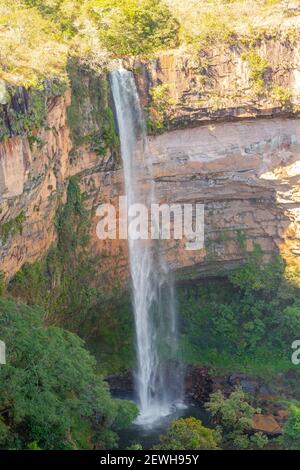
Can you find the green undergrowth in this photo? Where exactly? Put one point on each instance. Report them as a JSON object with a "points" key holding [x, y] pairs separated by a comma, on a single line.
{"points": [[244, 323], [258, 67], [112, 339], [159, 110], [60, 282]]}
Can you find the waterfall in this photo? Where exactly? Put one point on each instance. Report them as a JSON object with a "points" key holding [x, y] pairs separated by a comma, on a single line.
{"points": [[157, 378]]}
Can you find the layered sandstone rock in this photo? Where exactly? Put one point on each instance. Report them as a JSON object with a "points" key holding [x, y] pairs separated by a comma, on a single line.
{"points": [[247, 79], [247, 176], [246, 173]]}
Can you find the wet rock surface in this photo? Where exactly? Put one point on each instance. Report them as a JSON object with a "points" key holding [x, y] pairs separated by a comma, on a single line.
{"points": [[121, 383]]}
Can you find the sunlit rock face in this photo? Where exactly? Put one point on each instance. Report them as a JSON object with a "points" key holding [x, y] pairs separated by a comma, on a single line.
{"points": [[220, 83], [31, 182], [247, 176], [246, 172]]}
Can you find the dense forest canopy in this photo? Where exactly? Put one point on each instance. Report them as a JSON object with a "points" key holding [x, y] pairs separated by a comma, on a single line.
{"points": [[38, 37], [51, 395]]}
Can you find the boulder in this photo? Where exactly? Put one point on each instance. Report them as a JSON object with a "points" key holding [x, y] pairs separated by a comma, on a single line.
{"points": [[267, 424]]}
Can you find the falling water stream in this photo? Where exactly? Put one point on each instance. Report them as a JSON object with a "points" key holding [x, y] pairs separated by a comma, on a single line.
{"points": [[157, 378]]}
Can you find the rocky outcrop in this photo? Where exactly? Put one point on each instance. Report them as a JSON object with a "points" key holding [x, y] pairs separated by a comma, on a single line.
{"points": [[255, 77], [121, 384]]}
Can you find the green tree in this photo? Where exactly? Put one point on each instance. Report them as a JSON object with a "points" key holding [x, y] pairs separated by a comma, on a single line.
{"points": [[233, 416], [188, 434], [50, 393], [134, 26], [291, 432]]}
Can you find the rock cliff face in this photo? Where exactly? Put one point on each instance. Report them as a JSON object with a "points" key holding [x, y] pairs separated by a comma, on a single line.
{"points": [[249, 79], [247, 172]]}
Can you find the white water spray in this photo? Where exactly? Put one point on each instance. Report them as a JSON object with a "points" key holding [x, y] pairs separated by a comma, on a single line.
{"points": [[158, 379]]}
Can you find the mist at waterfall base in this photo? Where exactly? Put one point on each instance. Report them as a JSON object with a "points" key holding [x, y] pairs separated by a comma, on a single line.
{"points": [[158, 375], [148, 436]]}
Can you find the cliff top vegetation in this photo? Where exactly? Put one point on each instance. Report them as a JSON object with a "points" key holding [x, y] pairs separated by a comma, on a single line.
{"points": [[218, 19], [38, 37]]}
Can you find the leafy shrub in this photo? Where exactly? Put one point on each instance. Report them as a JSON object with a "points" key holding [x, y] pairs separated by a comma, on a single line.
{"points": [[234, 417], [281, 95], [11, 227], [126, 412], [135, 446], [29, 54], [61, 282], [24, 112], [188, 434], [212, 28], [39, 36], [291, 432]]}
